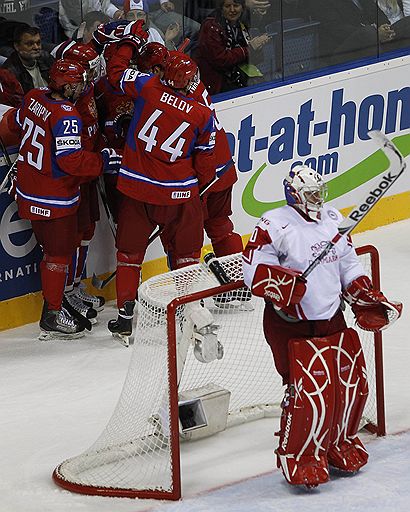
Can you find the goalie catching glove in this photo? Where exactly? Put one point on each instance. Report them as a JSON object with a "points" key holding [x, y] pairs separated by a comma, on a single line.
{"points": [[280, 285], [373, 312]]}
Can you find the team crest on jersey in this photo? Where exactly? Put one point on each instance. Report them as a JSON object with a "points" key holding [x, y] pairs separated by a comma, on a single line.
{"points": [[318, 248], [92, 108], [332, 215], [67, 108], [125, 108]]}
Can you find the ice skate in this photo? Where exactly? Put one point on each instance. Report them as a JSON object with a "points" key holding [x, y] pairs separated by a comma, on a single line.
{"points": [[77, 304], [121, 328], [91, 301], [59, 324]]}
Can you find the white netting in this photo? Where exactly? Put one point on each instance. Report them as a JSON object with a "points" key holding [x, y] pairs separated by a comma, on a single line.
{"points": [[133, 452]]}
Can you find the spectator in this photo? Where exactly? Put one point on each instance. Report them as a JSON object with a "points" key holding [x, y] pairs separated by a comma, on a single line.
{"points": [[167, 20], [154, 35], [353, 29], [28, 62], [16, 10], [91, 19], [72, 12], [225, 46]]}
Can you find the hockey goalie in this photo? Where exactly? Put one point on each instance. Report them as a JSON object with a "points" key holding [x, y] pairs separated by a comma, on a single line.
{"points": [[320, 360]]}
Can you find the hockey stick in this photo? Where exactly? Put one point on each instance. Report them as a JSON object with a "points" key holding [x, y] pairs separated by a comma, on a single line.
{"points": [[101, 283], [396, 169], [103, 196], [83, 322], [183, 45]]}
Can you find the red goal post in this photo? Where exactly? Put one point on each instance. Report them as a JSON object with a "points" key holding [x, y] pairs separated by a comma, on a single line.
{"points": [[138, 453]]}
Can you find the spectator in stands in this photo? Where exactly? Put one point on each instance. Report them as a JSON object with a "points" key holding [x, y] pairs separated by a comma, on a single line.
{"points": [[28, 62], [154, 35], [352, 29], [91, 19], [225, 46], [72, 12], [16, 10], [167, 19]]}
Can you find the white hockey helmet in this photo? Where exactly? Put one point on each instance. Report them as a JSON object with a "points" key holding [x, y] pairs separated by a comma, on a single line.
{"points": [[306, 190]]}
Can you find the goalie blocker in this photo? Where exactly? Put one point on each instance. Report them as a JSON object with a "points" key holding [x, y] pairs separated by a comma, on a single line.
{"points": [[322, 408]]}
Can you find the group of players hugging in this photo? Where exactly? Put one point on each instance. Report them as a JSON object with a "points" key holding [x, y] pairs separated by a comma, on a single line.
{"points": [[149, 129]]}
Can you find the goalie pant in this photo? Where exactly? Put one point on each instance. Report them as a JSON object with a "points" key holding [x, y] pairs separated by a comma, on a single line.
{"points": [[323, 366]]}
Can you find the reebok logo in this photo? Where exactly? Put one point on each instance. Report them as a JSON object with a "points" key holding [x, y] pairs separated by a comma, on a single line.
{"points": [[40, 211], [373, 197]]}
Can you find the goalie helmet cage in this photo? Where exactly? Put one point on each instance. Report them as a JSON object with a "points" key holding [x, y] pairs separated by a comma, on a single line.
{"points": [[137, 455]]}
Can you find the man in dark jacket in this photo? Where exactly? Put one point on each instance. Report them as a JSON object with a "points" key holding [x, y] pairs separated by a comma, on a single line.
{"points": [[28, 62]]}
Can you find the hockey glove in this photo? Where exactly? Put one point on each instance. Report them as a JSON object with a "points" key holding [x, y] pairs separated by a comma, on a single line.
{"points": [[135, 35], [111, 161], [282, 286], [111, 32], [373, 312], [120, 124]]}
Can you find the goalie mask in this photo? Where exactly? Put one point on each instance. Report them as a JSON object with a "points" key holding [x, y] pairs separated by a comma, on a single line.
{"points": [[305, 190]]}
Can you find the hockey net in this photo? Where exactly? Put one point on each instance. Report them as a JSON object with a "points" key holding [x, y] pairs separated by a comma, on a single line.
{"points": [[137, 454]]}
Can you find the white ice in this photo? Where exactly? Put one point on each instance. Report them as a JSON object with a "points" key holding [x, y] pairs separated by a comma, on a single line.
{"points": [[55, 399]]}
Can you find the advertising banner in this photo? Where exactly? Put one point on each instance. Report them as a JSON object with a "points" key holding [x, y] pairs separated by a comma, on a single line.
{"points": [[322, 123]]}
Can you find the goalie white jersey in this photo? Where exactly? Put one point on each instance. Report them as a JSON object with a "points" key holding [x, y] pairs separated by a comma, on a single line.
{"points": [[284, 237]]}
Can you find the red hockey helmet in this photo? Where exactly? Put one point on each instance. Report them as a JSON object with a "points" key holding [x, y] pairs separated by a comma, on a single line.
{"points": [[64, 72], [152, 54], [179, 70], [81, 53]]}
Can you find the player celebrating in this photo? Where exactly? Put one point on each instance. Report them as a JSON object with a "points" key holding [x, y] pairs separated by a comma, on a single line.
{"points": [[217, 201], [88, 211], [318, 357], [51, 166], [168, 155]]}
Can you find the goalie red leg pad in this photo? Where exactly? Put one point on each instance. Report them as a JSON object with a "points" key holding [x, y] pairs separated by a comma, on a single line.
{"points": [[307, 415], [346, 451]]}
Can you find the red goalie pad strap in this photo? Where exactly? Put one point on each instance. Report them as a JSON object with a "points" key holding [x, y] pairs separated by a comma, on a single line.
{"points": [[307, 416], [283, 286]]}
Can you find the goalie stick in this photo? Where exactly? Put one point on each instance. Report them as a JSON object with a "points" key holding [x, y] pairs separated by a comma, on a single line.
{"points": [[395, 170], [102, 283]]}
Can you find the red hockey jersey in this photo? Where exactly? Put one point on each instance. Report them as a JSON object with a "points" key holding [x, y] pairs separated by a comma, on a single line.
{"points": [[222, 150], [112, 106], [169, 146], [91, 136], [52, 164]]}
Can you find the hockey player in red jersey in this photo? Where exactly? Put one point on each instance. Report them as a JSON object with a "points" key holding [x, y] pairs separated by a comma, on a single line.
{"points": [[320, 360], [217, 202], [115, 111], [51, 166], [168, 155], [88, 212]]}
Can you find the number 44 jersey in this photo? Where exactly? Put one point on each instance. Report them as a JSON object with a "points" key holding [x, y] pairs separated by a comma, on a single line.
{"points": [[168, 153]]}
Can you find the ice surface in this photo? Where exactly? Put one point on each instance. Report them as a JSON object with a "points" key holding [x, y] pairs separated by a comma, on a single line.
{"points": [[55, 399]]}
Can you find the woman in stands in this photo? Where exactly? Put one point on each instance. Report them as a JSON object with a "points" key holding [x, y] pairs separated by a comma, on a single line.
{"points": [[224, 45]]}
